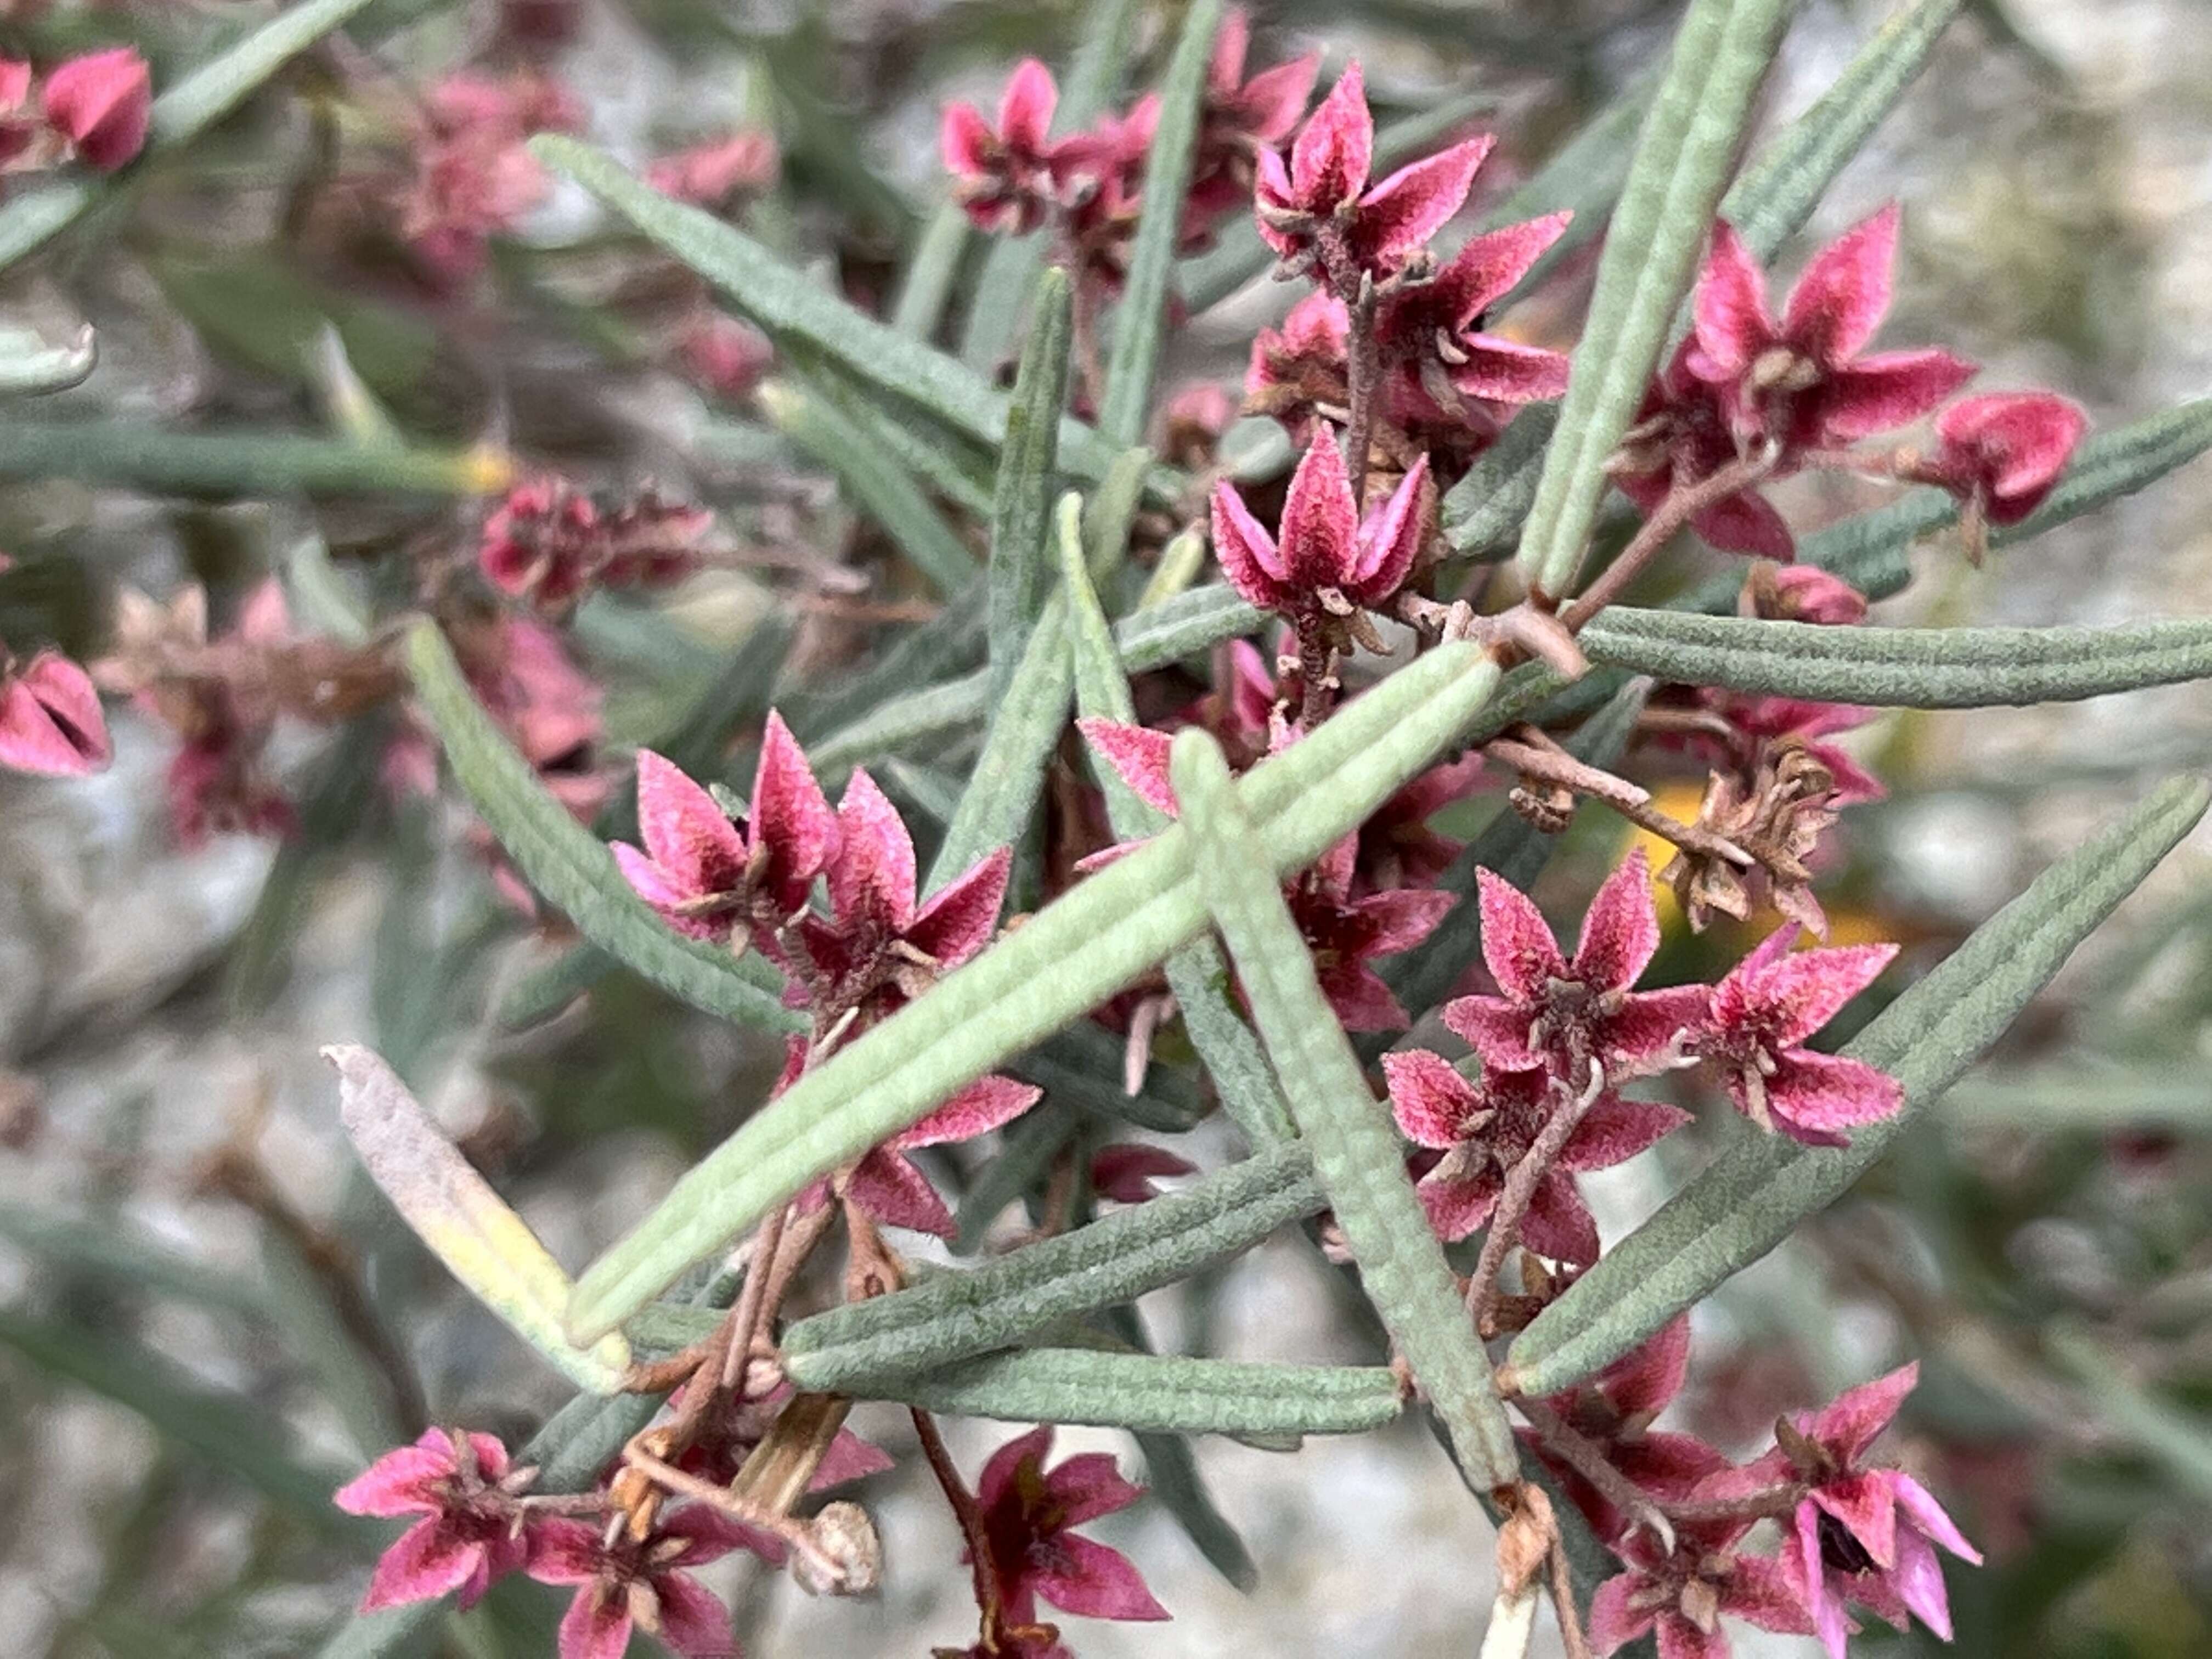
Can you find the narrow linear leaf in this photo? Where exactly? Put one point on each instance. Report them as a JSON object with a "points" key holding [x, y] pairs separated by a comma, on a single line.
{"points": [[1583, 177], [467, 1225], [2082, 1099], [1356, 1151], [1020, 566], [1900, 667], [564, 861], [927, 283], [1187, 625], [1484, 511], [1082, 1066], [879, 486], [1026, 722], [1111, 512], [953, 1316], [1750, 1198], [128, 1258], [238, 464], [226, 1430], [1064, 961], [1148, 1393], [1173, 1481], [1028, 1149], [2161, 1430], [1688, 143], [1775, 194], [1196, 975], [774, 297], [179, 115], [1140, 319]]}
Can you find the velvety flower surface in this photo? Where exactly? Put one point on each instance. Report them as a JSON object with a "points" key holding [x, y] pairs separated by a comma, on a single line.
{"points": [[1682, 1596], [102, 103], [887, 1186], [470, 1534], [1802, 593], [1805, 381], [1004, 171], [1347, 932], [2003, 452], [1559, 1014], [631, 1585], [1125, 1171], [1325, 560], [1864, 1535], [1432, 330], [51, 722], [1763, 1012], [1030, 1515], [1682, 436], [1484, 1130], [699, 870], [1322, 196]]}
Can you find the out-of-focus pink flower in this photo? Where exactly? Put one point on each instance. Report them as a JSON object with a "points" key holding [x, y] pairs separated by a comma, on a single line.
{"points": [[538, 541], [629, 1584], [1322, 200], [473, 177], [724, 356], [1326, 561], [1801, 594], [101, 103], [21, 126], [1030, 1515], [2002, 452], [1761, 1014], [532, 687], [51, 722], [707, 175], [1809, 725], [1007, 175], [472, 1533], [705, 876], [1683, 1594], [1125, 1170], [1804, 382], [1485, 1131], [1238, 119], [1560, 1015]]}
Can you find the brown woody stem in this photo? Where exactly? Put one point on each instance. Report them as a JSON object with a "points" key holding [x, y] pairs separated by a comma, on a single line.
{"points": [[1682, 503], [1521, 1184], [1588, 1461], [1540, 758], [964, 1510]]}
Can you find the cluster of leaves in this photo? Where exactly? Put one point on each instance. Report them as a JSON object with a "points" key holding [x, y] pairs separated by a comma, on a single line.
{"points": [[1240, 894]]}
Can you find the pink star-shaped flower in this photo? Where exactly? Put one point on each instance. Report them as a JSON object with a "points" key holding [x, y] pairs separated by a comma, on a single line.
{"points": [[1485, 1131], [1346, 934], [1681, 437], [1763, 1012], [1431, 331], [2002, 452], [1006, 174], [103, 104], [1804, 382], [700, 871], [1030, 1515], [1863, 1535], [887, 1186], [51, 722], [1323, 193], [629, 1584], [1682, 1596], [472, 1533], [1326, 561], [1239, 119], [1559, 1014]]}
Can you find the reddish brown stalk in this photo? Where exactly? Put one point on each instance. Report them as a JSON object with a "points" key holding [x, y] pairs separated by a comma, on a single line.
{"points": [[1589, 1461], [1519, 1192], [1682, 504], [1563, 1605], [988, 1601], [1540, 758], [1364, 368], [797, 1534]]}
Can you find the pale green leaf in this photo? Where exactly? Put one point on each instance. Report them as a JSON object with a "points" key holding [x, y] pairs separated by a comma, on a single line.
{"points": [[222, 465], [29, 365], [1021, 566]]}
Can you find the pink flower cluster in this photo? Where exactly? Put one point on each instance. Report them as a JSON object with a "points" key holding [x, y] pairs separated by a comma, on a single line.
{"points": [[549, 543], [473, 178], [1792, 392]]}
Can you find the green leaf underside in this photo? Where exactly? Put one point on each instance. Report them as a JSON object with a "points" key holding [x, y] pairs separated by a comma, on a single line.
{"points": [[1064, 961], [1900, 667], [1356, 1151], [569, 865], [1751, 1197], [1688, 143], [1146, 1393]]}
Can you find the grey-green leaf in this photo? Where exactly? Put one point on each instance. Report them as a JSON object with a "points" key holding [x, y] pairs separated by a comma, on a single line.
{"points": [[1689, 140], [1021, 568], [1751, 1197], [564, 861], [1148, 1393], [951, 1315], [222, 465], [1900, 667], [1355, 1148]]}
